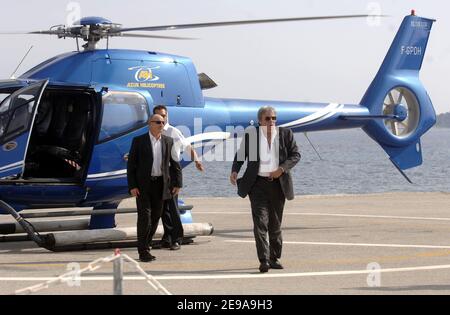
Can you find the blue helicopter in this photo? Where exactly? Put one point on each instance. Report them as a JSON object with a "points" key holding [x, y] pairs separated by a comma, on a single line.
{"points": [[66, 125]]}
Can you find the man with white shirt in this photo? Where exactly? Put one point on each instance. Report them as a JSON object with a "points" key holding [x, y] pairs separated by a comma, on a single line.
{"points": [[153, 176], [271, 152], [173, 228], [180, 142]]}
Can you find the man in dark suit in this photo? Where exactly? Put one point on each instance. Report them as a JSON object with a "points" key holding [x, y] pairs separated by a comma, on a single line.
{"points": [[271, 153], [154, 175], [173, 228]]}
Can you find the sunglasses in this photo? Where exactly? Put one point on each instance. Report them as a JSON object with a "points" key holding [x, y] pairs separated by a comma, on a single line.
{"points": [[270, 118], [158, 122]]}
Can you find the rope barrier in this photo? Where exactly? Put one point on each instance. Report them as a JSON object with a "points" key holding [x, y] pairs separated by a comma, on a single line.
{"points": [[117, 257]]}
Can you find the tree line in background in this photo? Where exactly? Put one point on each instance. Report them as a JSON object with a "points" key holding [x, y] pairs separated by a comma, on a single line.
{"points": [[443, 120]]}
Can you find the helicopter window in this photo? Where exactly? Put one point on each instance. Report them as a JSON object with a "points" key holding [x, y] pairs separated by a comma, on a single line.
{"points": [[122, 112], [4, 107], [16, 112], [3, 96]]}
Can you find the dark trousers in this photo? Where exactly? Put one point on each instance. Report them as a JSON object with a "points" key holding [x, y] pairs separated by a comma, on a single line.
{"points": [[173, 228], [267, 201], [149, 208]]}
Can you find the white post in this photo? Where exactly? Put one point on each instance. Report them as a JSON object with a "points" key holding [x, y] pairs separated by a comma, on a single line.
{"points": [[118, 273]]}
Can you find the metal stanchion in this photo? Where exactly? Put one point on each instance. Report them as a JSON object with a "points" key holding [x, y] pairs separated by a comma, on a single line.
{"points": [[118, 273]]}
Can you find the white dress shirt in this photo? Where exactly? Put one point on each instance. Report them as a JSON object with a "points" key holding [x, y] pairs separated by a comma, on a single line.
{"points": [[268, 156], [179, 141], [157, 156]]}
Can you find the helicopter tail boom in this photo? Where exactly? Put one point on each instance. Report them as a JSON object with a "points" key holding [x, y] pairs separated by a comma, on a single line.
{"points": [[399, 98]]}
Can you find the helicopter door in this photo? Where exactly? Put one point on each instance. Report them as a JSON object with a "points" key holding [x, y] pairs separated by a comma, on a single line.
{"points": [[17, 113]]}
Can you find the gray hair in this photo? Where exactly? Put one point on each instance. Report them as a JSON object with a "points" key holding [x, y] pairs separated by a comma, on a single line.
{"points": [[264, 110]]}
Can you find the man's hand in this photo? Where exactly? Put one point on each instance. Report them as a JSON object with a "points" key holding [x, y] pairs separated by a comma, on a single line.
{"points": [[276, 174], [135, 192], [199, 166], [175, 190], [233, 178], [195, 158]]}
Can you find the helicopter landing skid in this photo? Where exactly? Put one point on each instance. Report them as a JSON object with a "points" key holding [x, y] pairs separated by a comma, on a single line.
{"points": [[45, 241], [97, 238]]}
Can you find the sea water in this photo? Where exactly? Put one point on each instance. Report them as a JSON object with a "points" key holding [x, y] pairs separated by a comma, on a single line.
{"points": [[352, 163]]}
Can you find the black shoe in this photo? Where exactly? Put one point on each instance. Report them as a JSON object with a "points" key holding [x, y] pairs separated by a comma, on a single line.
{"points": [[146, 257], [264, 267], [275, 264], [175, 246], [165, 244]]}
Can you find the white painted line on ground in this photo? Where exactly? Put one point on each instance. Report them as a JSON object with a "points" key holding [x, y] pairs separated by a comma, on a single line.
{"points": [[224, 212], [334, 215], [370, 216], [353, 244], [242, 276]]}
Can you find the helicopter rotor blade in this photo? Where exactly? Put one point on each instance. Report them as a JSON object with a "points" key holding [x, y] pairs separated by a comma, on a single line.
{"points": [[153, 36], [13, 33], [103, 31], [231, 23], [19, 33], [45, 33], [48, 32], [68, 34]]}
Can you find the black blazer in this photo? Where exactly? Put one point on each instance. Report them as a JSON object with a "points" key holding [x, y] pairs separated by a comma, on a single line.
{"points": [[140, 161], [249, 150]]}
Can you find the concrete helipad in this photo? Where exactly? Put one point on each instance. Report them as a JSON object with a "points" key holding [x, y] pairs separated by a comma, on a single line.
{"points": [[395, 243]]}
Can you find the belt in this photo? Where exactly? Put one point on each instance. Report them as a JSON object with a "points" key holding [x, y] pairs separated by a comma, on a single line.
{"points": [[155, 178], [269, 179]]}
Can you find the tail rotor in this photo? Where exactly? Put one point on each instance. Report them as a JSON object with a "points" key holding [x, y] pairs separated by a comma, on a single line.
{"points": [[402, 104]]}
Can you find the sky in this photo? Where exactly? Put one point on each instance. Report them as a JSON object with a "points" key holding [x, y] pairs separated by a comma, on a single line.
{"points": [[316, 61]]}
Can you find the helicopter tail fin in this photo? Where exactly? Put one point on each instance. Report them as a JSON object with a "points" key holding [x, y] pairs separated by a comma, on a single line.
{"points": [[397, 90]]}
